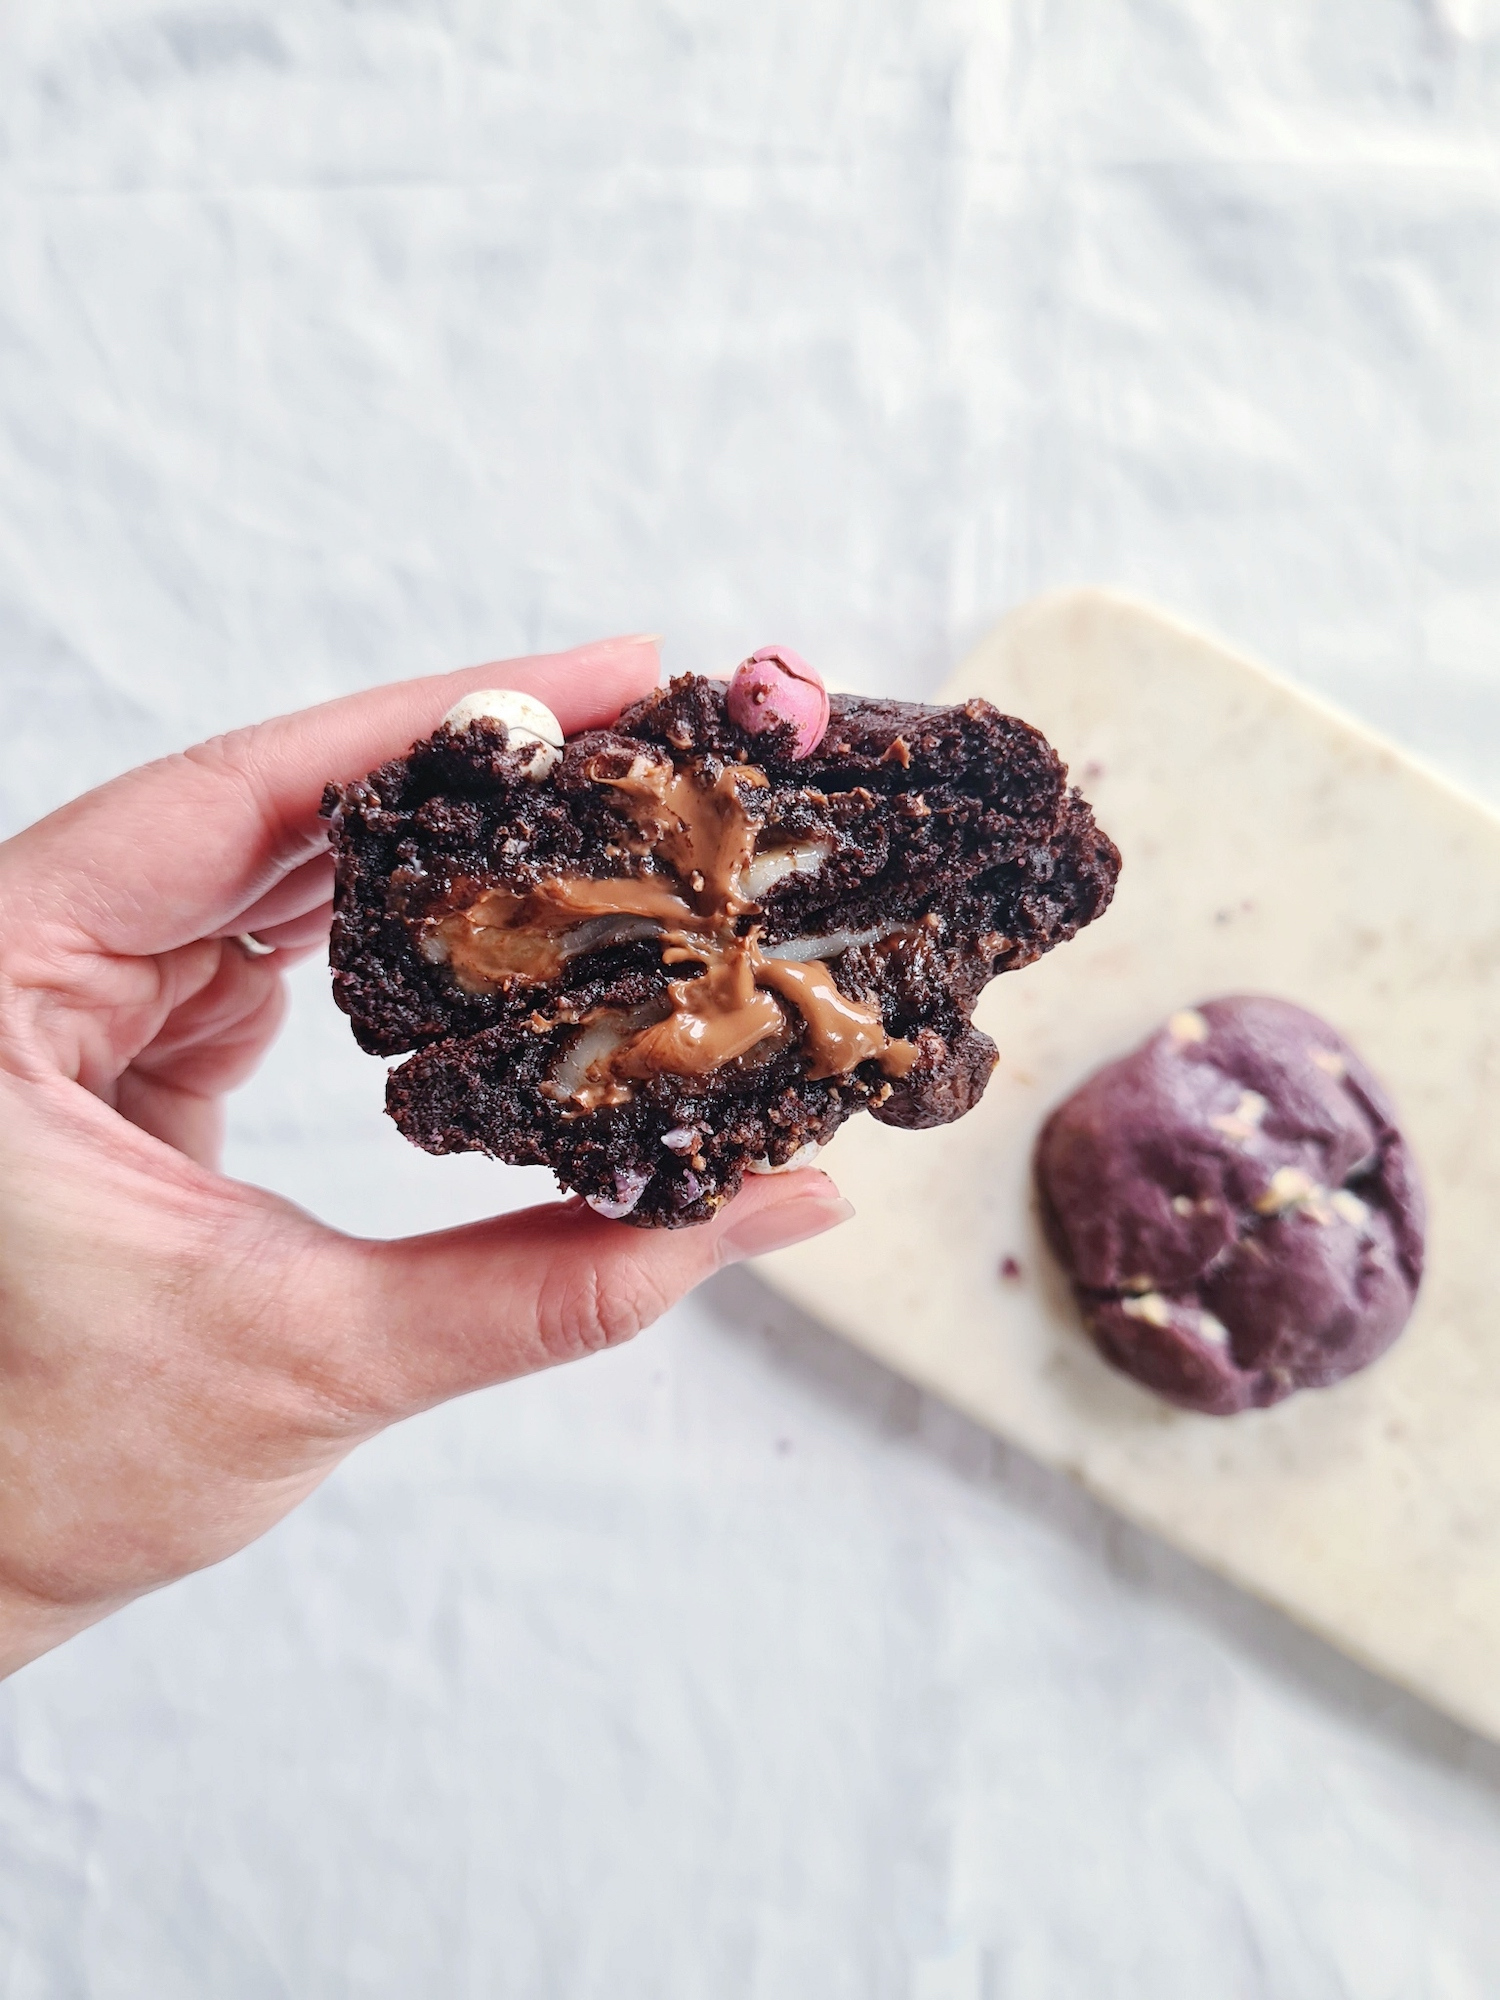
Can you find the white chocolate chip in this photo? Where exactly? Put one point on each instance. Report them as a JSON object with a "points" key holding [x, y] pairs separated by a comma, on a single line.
{"points": [[597, 1041], [1150, 1306], [1355, 1212], [526, 720], [1188, 1026], [775, 864], [831, 944], [1212, 1329], [1289, 1186], [1244, 1121], [1329, 1060]]}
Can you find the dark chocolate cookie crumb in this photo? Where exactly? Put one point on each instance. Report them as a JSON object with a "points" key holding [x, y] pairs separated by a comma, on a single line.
{"points": [[1236, 1208]]}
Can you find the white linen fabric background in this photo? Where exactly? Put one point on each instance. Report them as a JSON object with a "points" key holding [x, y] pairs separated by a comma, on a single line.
{"points": [[345, 341]]}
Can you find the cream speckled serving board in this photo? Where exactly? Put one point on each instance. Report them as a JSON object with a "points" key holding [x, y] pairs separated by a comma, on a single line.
{"points": [[1270, 845]]}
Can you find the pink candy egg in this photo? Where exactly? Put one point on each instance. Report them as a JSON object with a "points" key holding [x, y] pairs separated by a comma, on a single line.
{"points": [[777, 685]]}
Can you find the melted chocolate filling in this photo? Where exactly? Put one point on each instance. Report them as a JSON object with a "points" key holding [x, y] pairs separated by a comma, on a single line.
{"points": [[702, 834]]}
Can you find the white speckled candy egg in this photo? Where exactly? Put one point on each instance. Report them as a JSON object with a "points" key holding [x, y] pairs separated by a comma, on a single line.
{"points": [[526, 719]]}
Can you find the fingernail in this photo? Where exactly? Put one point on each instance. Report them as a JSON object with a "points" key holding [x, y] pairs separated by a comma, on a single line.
{"points": [[787, 1222], [645, 639]]}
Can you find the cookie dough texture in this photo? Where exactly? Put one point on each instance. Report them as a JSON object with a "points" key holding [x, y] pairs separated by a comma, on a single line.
{"points": [[1236, 1208], [879, 884]]}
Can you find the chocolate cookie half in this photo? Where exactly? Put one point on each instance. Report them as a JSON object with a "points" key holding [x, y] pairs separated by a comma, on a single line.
{"points": [[666, 953], [1235, 1206]]}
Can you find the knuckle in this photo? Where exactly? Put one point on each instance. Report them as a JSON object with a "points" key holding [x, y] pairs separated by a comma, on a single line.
{"points": [[587, 1308], [231, 756], [240, 758]]}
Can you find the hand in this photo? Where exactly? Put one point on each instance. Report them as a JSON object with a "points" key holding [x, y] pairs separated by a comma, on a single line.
{"points": [[182, 1358]]}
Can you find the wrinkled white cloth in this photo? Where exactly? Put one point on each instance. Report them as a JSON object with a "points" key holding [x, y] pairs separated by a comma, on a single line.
{"points": [[343, 341]]}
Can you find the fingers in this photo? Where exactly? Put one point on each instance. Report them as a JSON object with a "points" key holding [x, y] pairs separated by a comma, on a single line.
{"points": [[184, 1119], [180, 849], [435, 1316], [295, 915], [209, 1016], [307, 890]]}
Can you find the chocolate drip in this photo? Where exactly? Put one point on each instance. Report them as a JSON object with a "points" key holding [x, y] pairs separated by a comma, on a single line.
{"points": [[841, 1033], [705, 835], [715, 1018], [733, 1007], [702, 832], [501, 936]]}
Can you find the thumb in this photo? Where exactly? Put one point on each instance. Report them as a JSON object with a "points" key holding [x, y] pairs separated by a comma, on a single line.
{"points": [[436, 1316]]}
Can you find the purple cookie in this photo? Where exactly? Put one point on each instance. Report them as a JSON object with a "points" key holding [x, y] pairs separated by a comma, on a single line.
{"points": [[1234, 1204]]}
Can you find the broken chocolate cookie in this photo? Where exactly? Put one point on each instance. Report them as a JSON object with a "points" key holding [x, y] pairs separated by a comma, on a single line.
{"points": [[1236, 1207], [660, 955]]}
